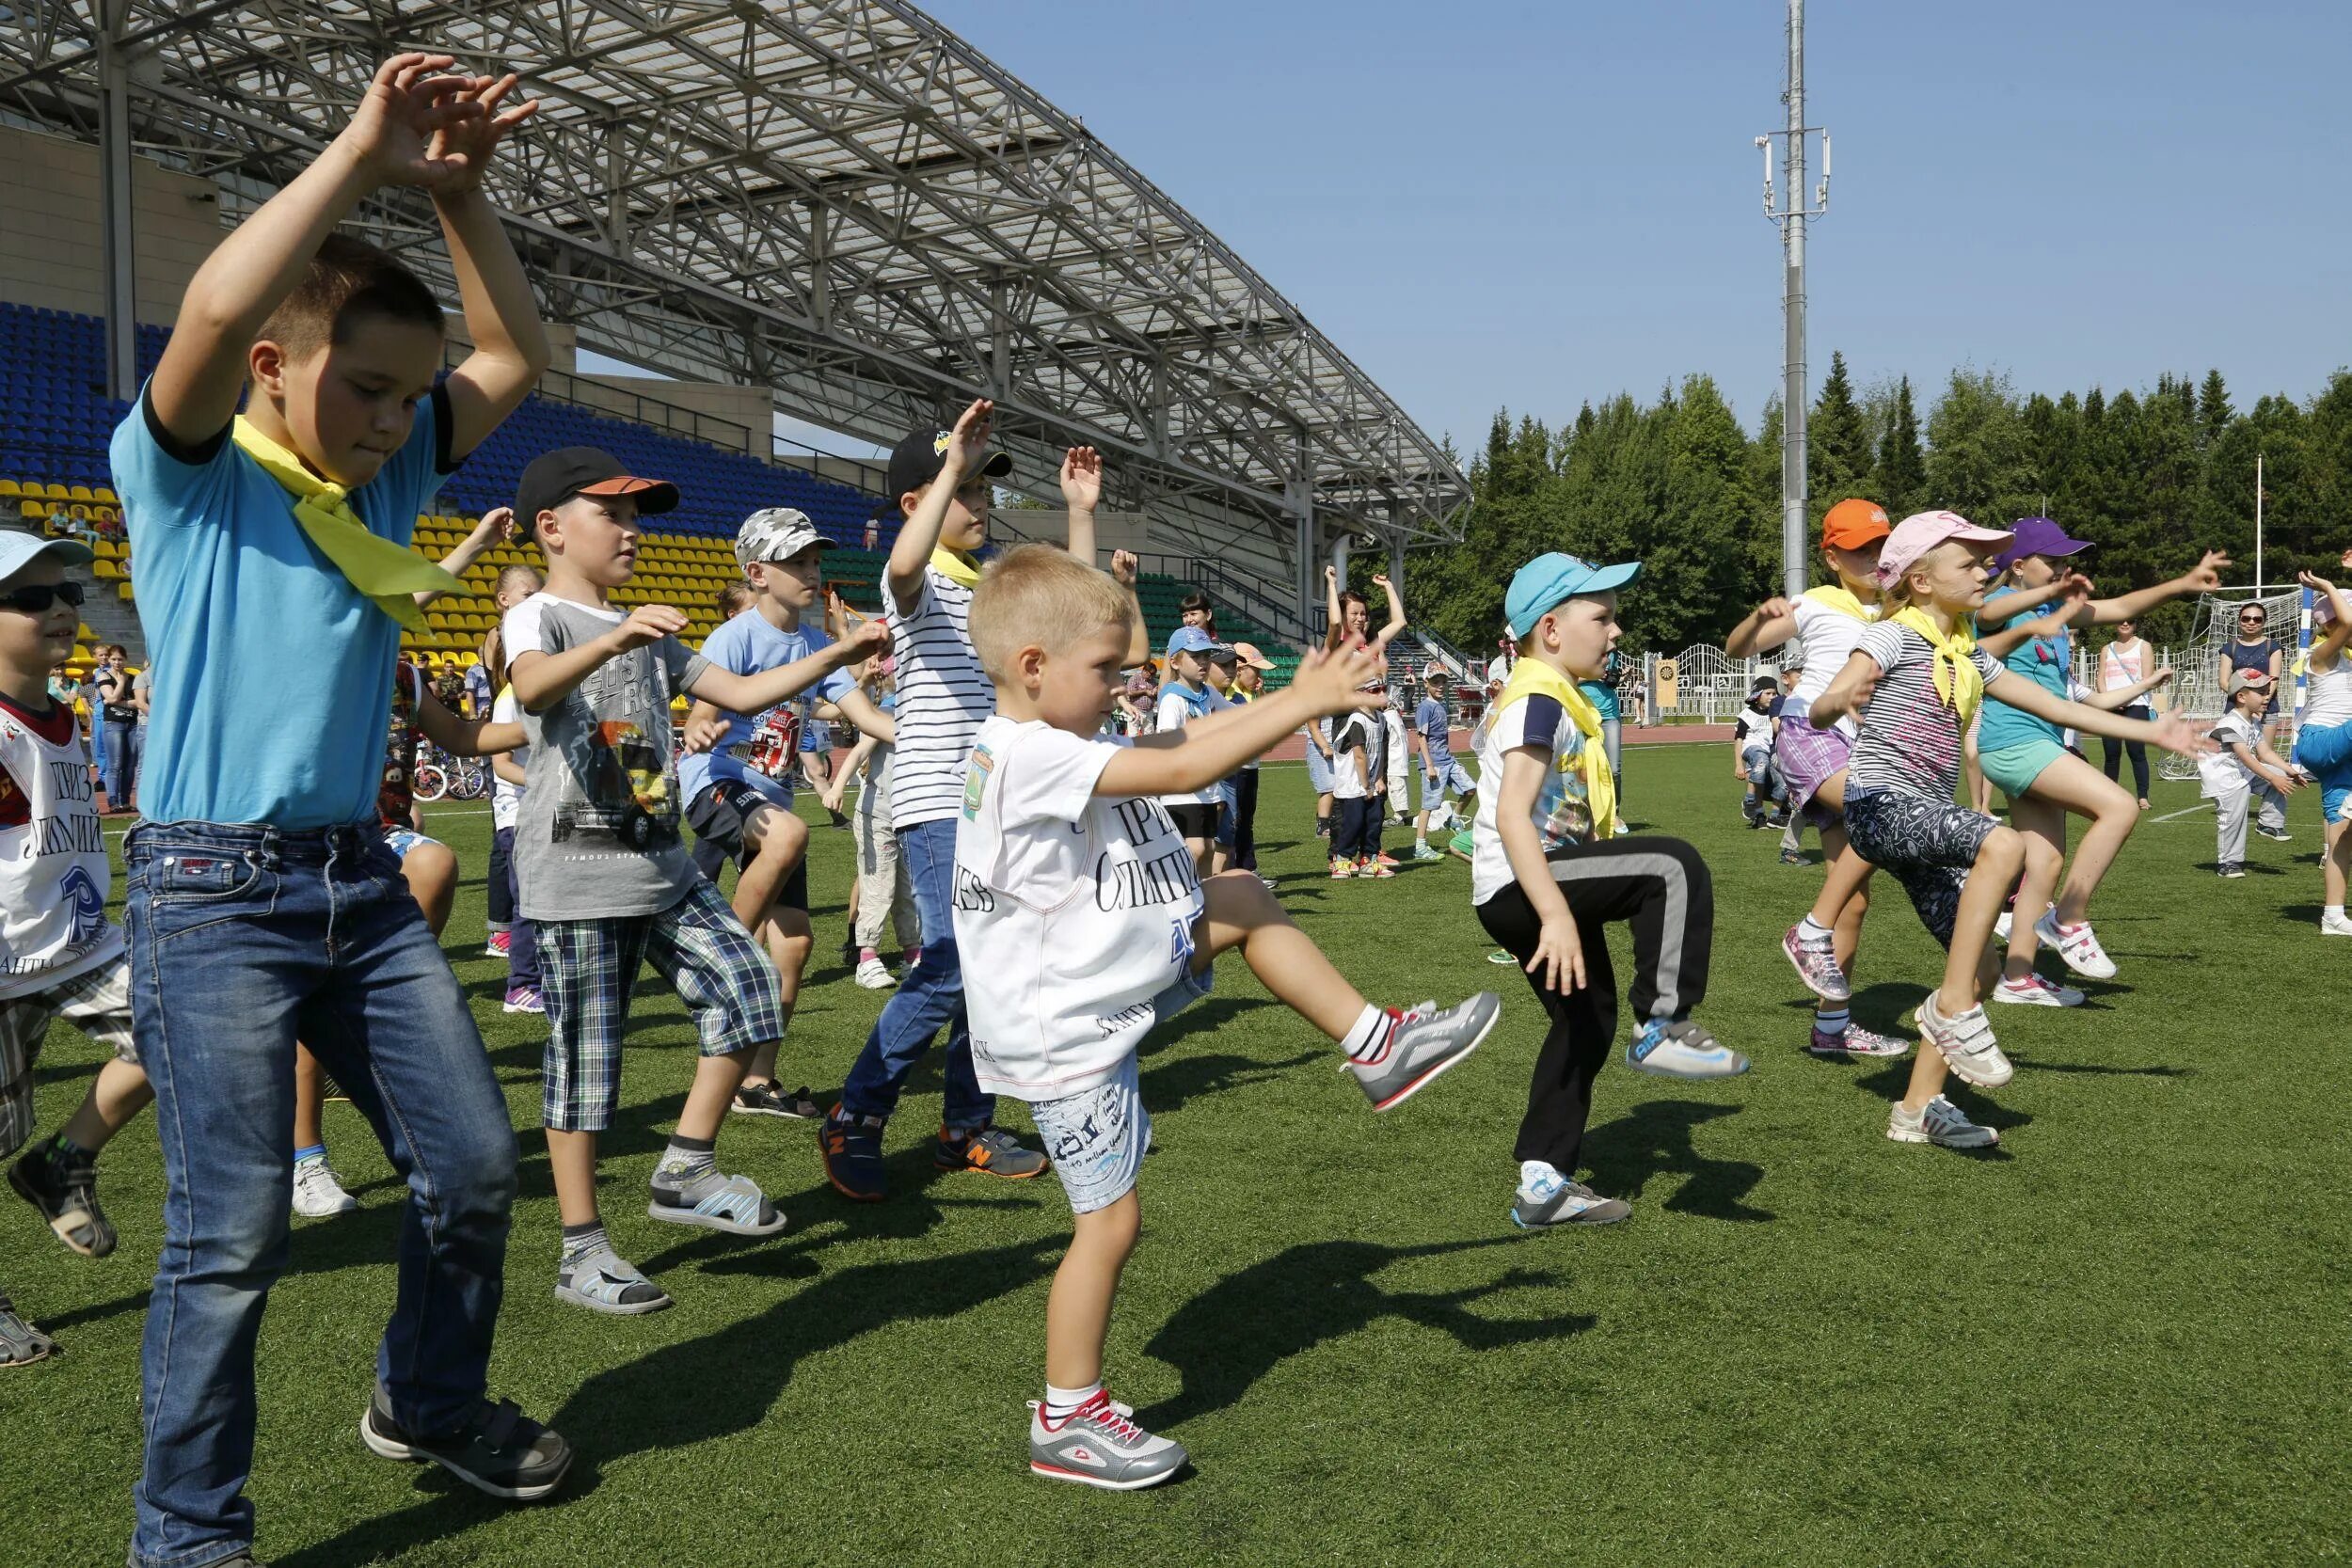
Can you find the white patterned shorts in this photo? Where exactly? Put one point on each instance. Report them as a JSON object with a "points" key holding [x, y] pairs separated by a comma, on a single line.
{"points": [[1097, 1138], [98, 1001]]}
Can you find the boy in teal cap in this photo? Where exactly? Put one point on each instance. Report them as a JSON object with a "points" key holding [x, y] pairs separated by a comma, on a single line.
{"points": [[1546, 867]]}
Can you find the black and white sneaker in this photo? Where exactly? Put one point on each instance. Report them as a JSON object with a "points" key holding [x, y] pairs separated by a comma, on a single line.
{"points": [[496, 1449]]}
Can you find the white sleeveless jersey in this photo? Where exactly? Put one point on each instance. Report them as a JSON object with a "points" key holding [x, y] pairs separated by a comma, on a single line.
{"points": [[52, 858]]}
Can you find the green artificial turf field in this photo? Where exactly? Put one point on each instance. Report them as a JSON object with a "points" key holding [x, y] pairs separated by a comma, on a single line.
{"points": [[2117, 1340]]}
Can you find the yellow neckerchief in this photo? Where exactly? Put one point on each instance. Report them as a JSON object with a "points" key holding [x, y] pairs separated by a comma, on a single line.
{"points": [[955, 568], [1533, 678], [1957, 679], [1840, 597], [387, 573]]}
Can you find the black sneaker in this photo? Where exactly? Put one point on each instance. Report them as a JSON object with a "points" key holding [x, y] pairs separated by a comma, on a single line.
{"points": [[769, 1100], [65, 1190], [496, 1449], [852, 1147]]}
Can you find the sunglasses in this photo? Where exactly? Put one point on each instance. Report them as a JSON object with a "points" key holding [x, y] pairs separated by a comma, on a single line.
{"points": [[34, 598]]}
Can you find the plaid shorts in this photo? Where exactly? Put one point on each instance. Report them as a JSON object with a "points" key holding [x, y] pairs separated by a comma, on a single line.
{"points": [[1927, 845], [97, 1001], [588, 967]]}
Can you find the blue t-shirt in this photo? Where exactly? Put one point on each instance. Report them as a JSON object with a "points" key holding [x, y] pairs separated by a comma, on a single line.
{"points": [[273, 685], [760, 749], [1603, 695], [2046, 661], [1437, 734]]}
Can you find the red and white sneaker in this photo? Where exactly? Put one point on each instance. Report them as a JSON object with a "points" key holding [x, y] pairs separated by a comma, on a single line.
{"points": [[1100, 1445]]}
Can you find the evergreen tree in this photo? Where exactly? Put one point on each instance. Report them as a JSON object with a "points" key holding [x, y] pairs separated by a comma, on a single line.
{"points": [[1838, 459], [1902, 470]]}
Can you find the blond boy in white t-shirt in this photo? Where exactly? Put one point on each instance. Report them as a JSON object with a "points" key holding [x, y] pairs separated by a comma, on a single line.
{"points": [[1076, 897]]}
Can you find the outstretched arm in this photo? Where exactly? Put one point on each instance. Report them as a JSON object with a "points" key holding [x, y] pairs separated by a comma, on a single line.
{"points": [[1849, 692], [2124, 696], [1176, 762], [466, 738], [760, 693], [2000, 644], [2174, 732]]}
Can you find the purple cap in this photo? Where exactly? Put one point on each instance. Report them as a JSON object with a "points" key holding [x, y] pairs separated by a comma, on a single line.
{"points": [[2037, 536]]}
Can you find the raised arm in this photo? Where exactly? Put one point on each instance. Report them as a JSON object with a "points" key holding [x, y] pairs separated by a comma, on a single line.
{"points": [[1335, 623], [1396, 608], [1138, 635], [510, 344], [903, 575], [1763, 628], [497, 525], [1176, 762], [197, 385], [2330, 648], [1081, 493]]}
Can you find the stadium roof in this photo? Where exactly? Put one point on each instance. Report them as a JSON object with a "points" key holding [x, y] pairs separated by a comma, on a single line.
{"points": [[841, 201]]}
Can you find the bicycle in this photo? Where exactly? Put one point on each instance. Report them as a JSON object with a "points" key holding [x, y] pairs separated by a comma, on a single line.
{"points": [[440, 776]]}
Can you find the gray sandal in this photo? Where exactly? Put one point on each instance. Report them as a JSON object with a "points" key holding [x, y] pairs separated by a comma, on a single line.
{"points": [[21, 1343]]}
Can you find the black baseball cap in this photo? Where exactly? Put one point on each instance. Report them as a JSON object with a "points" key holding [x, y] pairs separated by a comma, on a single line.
{"points": [[554, 478], [916, 460]]}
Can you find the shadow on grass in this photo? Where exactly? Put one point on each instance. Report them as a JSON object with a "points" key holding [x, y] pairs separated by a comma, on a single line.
{"points": [[1654, 1138], [1226, 1338], [736, 1374]]}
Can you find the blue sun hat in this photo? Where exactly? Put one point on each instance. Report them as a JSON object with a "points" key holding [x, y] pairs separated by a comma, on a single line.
{"points": [[1549, 580]]}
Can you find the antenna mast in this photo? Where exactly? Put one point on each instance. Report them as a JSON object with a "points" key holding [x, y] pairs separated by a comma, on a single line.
{"points": [[1792, 216]]}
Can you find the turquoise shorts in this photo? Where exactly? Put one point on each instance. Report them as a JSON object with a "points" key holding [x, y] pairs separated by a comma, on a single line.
{"points": [[2013, 769]]}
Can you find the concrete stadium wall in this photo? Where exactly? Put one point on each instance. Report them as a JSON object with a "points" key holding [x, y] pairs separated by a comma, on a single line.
{"points": [[52, 242]]}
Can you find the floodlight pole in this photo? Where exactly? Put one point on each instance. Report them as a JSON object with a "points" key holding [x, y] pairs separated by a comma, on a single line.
{"points": [[1792, 217]]}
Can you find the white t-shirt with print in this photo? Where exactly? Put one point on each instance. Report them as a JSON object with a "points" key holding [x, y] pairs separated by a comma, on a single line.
{"points": [[1563, 814], [1350, 761], [1073, 910], [2222, 772]]}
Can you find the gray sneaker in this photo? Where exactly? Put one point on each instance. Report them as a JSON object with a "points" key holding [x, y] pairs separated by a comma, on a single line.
{"points": [[1569, 1203], [1939, 1122], [603, 1281], [1425, 1044], [1101, 1446], [21, 1343]]}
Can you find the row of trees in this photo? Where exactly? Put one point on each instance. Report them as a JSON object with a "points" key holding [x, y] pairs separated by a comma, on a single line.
{"points": [[2153, 477]]}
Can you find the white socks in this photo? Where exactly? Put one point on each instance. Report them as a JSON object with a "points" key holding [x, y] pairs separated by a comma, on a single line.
{"points": [[1062, 1403], [1539, 1178], [1367, 1042], [1810, 930]]}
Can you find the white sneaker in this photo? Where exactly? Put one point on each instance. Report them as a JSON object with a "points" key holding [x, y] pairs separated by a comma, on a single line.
{"points": [[316, 1193], [1967, 1044], [2035, 991], [2000, 926], [874, 975], [2079, 947], [1940, 1122], [2335, 925]]}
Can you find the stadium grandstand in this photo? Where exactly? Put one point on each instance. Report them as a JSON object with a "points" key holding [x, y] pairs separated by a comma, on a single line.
{"points": [[843, 214]]}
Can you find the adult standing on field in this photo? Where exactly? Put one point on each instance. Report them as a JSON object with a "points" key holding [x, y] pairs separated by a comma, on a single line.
{"points": [[2253, 648]]}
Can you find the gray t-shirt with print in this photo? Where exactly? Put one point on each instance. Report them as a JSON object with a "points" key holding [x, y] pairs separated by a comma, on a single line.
{"points": [[599, 835]]}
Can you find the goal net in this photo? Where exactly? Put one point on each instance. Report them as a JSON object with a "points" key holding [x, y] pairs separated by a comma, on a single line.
{"points": [[2196, 690]]}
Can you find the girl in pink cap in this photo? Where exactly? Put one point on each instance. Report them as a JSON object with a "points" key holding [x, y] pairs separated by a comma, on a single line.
{"points": [[1913, 681]]}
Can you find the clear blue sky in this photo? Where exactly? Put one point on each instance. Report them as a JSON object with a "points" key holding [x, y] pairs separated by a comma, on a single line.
{"points": [[1533, 204]]}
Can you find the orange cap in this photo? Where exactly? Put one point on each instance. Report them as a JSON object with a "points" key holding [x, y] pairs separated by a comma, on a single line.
{"points": [[1851, 524]]}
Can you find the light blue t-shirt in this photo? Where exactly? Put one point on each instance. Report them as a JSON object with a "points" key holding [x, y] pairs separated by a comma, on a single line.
{"points": [[1437, 734], [2046, 661], [760, 749], [273, 681], [1603, 695]]}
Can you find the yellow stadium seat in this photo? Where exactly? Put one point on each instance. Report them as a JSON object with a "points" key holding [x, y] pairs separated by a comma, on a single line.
{"points": [[11, 488], [105, 571], [122, 591], [80, 492], [107, 496]]}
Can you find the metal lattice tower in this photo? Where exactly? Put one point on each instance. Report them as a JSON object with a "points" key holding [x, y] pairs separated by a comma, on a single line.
{"points": [[838, 199]]}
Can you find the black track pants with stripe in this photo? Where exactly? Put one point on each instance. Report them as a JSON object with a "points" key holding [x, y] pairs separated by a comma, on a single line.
{"points": [[1661, 889]]}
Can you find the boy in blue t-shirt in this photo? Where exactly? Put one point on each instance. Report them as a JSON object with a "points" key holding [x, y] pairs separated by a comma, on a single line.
{"points": [[1441, 772], [275, 576], [737, 790]]}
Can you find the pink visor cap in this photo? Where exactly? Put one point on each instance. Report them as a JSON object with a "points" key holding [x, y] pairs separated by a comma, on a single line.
{"points": [[1920, 532]]}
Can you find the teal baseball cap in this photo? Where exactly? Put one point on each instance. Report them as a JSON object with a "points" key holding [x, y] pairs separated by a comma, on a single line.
{"points": [[1190, 640], [1547, 580]]}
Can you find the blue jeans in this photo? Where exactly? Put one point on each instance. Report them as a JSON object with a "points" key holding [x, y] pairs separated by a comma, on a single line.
{"points": [[243, 938], [122, 766], [930, 997]]}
